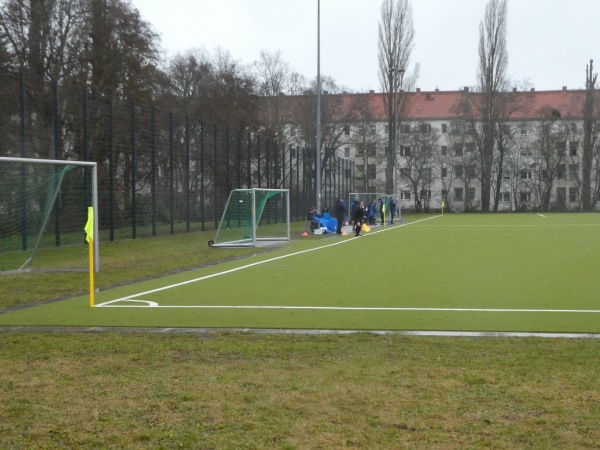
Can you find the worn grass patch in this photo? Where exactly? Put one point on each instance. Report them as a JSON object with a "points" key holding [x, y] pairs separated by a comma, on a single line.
{"points": [[274, 391]]}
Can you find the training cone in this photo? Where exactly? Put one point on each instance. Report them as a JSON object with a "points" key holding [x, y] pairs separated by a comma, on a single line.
{"points": [[344, 233], [305, 234]]}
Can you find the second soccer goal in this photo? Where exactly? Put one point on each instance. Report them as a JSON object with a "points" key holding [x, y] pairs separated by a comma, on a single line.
{"points": [[254, 216]]}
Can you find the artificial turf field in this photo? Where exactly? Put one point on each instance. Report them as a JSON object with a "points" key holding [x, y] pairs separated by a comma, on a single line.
{"points": [[529, 273]]}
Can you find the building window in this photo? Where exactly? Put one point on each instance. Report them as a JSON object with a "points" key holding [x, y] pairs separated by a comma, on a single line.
{"points": [[458, 194], [347, 130], [561, 148], [524, 130], [444, 150], [525, 196], [444, 194], [573, 145], [360, 168], [561, 195], [458, 127], [458, 171], [525, 174], [560, 172], [425, 194], [444, 172], [471, 193], [405, 195], [405, 129], [572, 194], [574, 127], [405, 173], [469, 147], [573, 172], [293, 131], [425, 128], [506, 174], [372, 171], [371, 149], [347, 152], [348, 173], [444, 128], [471, 171], [526, 151], [404, 151], [373, 129], [505, 197], [458, 150], [387, 129]]}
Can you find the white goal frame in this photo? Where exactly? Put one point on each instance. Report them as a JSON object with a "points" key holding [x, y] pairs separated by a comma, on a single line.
{"points": [[254, 239], [62, 162]]}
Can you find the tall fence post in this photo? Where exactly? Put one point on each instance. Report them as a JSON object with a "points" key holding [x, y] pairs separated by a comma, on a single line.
{"points": [[133, 173]]}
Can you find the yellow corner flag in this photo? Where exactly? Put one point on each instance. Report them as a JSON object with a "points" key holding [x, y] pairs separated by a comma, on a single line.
{"points": [[89, 236], [89, 226]]}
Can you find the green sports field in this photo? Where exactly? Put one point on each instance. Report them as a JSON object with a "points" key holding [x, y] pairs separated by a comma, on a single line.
{"points": [[458, 272]]}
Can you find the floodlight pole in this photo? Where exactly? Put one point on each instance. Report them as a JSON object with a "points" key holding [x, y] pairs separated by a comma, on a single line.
{"points": [[318, 137]]}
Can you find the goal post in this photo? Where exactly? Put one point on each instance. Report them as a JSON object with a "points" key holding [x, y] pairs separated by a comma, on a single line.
{"points": [[43, 211], [252, 216]]}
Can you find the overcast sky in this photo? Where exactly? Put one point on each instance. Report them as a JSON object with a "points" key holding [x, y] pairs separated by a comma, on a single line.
{"points": [[549, 42]]}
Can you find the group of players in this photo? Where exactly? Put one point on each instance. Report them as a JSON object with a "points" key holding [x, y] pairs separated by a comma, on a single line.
{"points": [[359, 214]]}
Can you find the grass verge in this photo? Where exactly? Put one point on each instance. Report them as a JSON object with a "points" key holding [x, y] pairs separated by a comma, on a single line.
{"points": [[250, 391]]}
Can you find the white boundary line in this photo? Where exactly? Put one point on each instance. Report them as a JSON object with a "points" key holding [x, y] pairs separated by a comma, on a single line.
{"points": [[150, 304], [345, 241]]}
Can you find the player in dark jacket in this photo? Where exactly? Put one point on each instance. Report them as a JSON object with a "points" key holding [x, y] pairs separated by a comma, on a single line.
{"points": [[358, 217], [340, 214]]}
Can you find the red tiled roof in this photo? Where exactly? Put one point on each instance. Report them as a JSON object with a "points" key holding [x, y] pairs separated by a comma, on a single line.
{"points": [[443, 105]]}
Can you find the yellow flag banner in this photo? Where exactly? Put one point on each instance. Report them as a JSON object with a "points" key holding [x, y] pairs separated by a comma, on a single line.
{"points": [[89, 226], [89, 236]]}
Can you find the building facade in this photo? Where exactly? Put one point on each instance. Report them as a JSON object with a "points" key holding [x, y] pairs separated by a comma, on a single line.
{"points": [[536, 160]]}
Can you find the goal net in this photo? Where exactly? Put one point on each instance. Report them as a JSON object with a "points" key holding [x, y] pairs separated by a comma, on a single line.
{"points": [[368, 197], [252, 216], [43, 211]]}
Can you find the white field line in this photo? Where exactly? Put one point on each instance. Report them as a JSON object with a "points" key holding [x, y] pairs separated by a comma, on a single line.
{"points": [[150, 304], [345, 241], [541, 215], [499, 225]]}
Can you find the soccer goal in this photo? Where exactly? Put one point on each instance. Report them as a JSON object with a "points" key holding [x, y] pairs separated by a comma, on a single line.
{"points": [[367, 197], [254, 216], [43, 211]]}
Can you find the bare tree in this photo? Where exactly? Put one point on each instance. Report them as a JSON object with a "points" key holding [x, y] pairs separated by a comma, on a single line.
{"points": [[549, 157], [493, 61], [396, 35], [418, 154], [362, 129], [590, 133], [191, 77]]}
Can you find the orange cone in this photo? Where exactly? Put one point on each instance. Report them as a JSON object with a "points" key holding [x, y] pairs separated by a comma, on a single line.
{"points": [[305, 234]]}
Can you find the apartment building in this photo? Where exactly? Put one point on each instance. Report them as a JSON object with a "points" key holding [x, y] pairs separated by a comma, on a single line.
{"points": [[536, 160]]}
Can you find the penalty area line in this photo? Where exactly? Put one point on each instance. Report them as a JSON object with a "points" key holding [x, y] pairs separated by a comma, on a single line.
{"points": [[247, 266]]}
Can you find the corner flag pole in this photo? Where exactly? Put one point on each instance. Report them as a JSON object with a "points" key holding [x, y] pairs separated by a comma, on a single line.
{"points": [[89, 237]]}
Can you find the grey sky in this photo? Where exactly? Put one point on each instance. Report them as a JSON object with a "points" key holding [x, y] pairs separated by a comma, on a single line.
{"points": [[550, 42]]}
